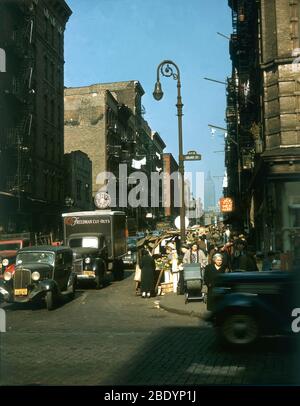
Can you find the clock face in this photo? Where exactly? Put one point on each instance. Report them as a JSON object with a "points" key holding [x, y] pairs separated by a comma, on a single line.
{"points": [[102, 200]]}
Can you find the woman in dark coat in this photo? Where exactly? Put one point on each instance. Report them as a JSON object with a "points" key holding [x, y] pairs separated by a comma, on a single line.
{"points": [[147, 266], [211, 272]]}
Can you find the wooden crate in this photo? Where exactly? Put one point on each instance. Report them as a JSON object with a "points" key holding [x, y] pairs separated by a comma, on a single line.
{"points": [[166, 287]]}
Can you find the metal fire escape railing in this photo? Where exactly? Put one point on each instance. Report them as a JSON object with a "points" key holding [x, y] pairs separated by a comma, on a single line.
{"points": [[17, 140], [238, 100]]}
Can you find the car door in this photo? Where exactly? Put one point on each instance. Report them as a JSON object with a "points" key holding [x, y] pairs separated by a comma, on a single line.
{"points": [[278, 297], [68, 267], [59, 270]]}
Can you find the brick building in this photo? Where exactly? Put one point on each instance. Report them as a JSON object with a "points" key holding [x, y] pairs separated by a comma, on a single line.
{"points": [[102, 126], [263, 144], [31, 107], [105, 121]]}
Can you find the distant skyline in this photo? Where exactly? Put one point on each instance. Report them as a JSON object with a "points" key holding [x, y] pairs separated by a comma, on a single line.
{"points": [[119, 40], [209, 193]]}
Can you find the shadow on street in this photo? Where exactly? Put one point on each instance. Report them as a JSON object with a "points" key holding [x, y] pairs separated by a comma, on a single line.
{"points": [[192, 356]]}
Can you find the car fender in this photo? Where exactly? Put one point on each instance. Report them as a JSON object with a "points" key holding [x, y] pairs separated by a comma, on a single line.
{"points": [[247, 302], [48, 284], [72, 279]]}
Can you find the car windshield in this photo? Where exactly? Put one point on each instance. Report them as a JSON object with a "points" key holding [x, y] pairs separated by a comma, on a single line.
{"points": [[35, 257], [84, 242], [10, 246]]}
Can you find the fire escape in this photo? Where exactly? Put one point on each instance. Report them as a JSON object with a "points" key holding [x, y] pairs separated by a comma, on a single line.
{"points": [[242, 104], [16, 137]]}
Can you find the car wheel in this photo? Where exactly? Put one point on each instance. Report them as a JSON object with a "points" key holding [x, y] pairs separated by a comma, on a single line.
{"points": [[50, 300], [239, 329]]}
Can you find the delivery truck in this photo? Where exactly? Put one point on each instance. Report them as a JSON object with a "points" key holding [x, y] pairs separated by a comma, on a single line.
{"points": [[98, 240]]}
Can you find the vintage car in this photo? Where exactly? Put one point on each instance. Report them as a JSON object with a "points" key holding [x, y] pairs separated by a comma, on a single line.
{"points": [[247, 305], [130, 258], [42, 272], [90, 257]]}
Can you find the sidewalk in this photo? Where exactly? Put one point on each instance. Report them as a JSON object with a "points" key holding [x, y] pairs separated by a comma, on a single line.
{"points": [[174, 303]]}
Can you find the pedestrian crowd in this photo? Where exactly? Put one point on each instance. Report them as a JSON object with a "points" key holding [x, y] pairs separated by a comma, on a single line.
{"points": [[216, 250]]}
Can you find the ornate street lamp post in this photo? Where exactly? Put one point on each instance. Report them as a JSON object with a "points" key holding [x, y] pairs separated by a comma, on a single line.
{"points": [[166, 69]]}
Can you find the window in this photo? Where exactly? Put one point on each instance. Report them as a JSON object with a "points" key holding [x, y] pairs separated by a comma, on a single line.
{"points": [[2, 60], [78, 189], [68, 258], [59, 259], [84, 242]]}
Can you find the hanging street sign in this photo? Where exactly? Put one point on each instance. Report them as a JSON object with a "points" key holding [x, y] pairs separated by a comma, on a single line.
{"points": [[192, 156], [226, 204]]}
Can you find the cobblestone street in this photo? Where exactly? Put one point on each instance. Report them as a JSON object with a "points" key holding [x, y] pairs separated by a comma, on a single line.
{"points": [[112, 337]]}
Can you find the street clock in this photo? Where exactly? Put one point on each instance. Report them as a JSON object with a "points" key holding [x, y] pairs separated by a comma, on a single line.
{"points": [[102, 200]]}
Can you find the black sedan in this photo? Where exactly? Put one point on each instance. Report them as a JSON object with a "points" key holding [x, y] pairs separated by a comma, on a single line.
{"points": [[246, 305], [42, 272]]}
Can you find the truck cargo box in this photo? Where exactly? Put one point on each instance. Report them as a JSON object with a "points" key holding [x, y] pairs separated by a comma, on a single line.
{"points": [[112, 224]]}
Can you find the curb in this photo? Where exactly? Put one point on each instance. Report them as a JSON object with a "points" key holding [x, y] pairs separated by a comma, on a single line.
{"points": [[190, 313]]}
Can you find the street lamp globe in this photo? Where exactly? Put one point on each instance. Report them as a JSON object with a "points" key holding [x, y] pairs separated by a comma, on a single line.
{"points": [[158, 93]]}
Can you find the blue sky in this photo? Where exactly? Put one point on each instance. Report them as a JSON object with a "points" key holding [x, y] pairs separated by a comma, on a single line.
{"points": [[118, 40]]}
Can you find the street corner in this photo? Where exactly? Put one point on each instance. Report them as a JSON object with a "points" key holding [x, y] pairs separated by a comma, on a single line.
{"points": [[177, 304]]}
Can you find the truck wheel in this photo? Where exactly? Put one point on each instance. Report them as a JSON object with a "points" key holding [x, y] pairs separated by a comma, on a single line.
{"points": [[99, 281], [100, 277], [50, 300], [239, 330]]}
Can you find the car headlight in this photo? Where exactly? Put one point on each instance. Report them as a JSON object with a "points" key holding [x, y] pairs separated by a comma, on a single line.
{"points": [[35, 276], [7, 276], [87, 260], [5, 262]]}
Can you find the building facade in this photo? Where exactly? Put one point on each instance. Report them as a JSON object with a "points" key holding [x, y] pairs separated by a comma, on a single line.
{"points": [[263, 146], [105, 121], [78, 181], [31, 103]]}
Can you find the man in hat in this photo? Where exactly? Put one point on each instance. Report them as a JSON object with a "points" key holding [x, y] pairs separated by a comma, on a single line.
{"points": [[242, 260]]}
